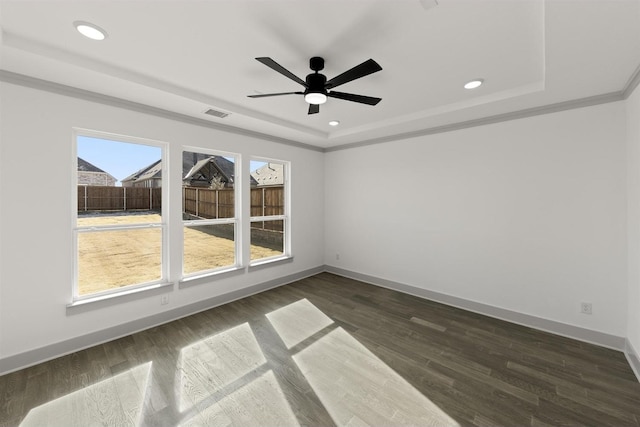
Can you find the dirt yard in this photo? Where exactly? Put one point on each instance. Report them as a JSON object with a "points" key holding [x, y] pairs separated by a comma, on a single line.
{"points": [[112, 259]]}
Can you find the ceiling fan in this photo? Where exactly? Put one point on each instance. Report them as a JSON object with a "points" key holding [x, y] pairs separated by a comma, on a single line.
{"points": [[318, 88]]}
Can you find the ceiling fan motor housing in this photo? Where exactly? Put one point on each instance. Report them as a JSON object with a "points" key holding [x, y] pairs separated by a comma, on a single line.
{"points": [[315, 83]]}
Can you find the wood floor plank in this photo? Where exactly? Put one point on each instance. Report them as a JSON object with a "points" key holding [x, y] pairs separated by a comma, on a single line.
{"points": [[353, 354], [428, 324], [12, 392]]}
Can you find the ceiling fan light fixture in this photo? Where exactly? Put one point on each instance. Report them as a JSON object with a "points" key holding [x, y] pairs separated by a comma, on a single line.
{"points": [[474, 84], [318, 88], [90, 30], [316, 98]]}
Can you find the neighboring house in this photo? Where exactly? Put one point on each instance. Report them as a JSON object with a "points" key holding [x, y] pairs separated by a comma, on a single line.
{"points": [[269, 174], [89, 174], [149, 177], [198, 170], [208, 171]]}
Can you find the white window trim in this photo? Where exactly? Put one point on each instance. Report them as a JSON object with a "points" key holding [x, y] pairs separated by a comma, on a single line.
{"points": [[134, 288], [236, 220], [287, 253]]}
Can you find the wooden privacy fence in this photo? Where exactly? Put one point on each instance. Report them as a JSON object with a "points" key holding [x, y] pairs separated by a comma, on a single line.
{"points": [[213, 204], [103, 198], [208, 203], [200, 202], [267, 201]]}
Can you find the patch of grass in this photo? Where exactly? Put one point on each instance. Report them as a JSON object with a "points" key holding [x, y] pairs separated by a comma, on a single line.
{"points": [[113, 259]]}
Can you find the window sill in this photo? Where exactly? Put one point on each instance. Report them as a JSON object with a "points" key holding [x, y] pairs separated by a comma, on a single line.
{"points": [[87, 304], [207, 277], [260, 264]]}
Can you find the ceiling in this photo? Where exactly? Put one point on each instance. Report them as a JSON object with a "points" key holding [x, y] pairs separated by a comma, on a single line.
{"points": [[188, 56]]}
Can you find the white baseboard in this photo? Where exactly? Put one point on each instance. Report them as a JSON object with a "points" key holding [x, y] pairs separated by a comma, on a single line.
{"points": [[633, 357], [32, 357], [49, 352], [558, 328]]}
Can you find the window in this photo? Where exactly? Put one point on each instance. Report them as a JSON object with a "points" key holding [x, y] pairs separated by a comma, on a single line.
{"points": [[119, 229], [120, 223], [209, 212], [269, 209]]}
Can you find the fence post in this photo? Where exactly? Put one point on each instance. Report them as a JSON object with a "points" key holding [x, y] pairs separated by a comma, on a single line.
{"points": [[150, 198], [85, 198], [124, 198], [197, 201], [217, 205]]}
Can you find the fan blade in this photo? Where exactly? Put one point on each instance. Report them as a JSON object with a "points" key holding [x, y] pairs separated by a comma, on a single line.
{"points": [[314, 108], [367, 67], [279, 68], [355, 98], [262, 95]]}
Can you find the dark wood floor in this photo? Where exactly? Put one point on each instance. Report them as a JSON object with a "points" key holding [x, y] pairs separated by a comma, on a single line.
{"points": [[329, 351]]}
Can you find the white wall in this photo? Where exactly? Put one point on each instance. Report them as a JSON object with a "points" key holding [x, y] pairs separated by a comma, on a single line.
{"points": [[633, 155], [36, 246], [527, 215]]}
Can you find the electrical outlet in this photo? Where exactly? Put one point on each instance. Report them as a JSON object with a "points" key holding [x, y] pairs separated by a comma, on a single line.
{"points": [[586, 308], [164, 299]]}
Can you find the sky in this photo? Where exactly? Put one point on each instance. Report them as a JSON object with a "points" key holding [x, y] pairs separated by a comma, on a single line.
{"points": [[121, 159]]}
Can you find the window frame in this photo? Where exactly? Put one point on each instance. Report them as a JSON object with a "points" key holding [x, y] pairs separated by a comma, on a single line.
{"points": [[287, 253], [236, 220], [78, 299]]}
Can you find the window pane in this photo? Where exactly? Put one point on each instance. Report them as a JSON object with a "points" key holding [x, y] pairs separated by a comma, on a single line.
{"points": [[267, 239], [115, 176], [267, 173], [267, 188], [112, 259], [208, 184], [208, 246]]}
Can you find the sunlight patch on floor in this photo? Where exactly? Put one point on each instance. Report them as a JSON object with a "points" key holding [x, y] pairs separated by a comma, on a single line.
{"points": [[209, 365], [115, 401], [223, 380], [298, 321], [357, 388], [259, 403]]}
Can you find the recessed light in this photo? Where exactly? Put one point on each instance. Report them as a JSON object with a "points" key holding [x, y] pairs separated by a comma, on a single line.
{"points": [[90, 30], [334, 123], [473, 84]]}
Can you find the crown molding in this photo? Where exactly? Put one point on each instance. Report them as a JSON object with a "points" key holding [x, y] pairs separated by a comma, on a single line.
{"points": [[60, 89], [49, 51], [45, 85], [521, 114]]}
